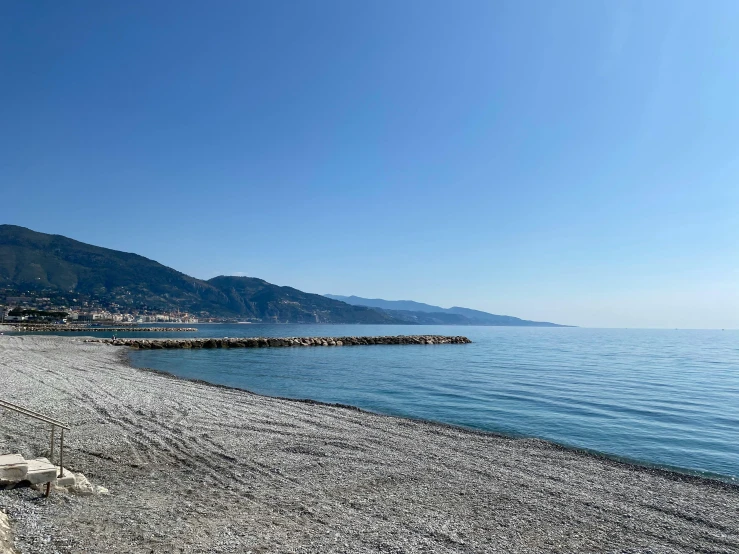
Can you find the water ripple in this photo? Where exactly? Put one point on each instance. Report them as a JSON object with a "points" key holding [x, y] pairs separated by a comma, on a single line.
{"points": [[663, 397]]}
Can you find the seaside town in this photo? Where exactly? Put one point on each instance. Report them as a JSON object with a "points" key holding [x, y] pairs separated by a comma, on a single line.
{"points": [[33, 307]]}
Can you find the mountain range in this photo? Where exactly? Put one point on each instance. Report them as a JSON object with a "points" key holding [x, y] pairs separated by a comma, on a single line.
{"points": [[409, 311], [71, 273]]}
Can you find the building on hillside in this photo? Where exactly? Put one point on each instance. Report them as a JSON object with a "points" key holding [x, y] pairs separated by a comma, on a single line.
{"points": [[18, 300], [16, 318]]}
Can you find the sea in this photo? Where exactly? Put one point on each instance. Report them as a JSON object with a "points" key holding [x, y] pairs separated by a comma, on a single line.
{"points": [[666, 398]]}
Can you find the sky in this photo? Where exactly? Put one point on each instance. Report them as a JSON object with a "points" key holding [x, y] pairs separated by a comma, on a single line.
{"points": [[568, 161]]}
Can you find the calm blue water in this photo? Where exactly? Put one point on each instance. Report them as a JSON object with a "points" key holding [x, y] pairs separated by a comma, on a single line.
{"points": [[662, 397]]}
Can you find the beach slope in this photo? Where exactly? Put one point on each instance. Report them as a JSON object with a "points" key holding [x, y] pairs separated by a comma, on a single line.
{"points": [[198, 468]]}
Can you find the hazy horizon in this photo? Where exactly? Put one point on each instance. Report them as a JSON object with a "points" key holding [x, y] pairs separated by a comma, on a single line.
{"points": [[572, 162]]}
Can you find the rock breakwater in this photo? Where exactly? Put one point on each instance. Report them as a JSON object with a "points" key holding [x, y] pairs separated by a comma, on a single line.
{"points": [[273, 342]]}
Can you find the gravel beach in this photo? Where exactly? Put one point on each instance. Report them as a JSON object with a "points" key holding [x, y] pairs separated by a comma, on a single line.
{"points": [[193, 467]]}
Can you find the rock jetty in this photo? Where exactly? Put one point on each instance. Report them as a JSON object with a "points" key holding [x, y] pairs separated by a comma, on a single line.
{"points": [[77, 329], [273, 342]]}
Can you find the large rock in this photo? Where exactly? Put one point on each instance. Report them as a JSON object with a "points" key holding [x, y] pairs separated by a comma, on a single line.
{"points": [[81, 485], [6, 535]]}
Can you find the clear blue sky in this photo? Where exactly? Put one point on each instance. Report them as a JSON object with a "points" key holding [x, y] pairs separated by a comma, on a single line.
{"points": [[574, 162]]}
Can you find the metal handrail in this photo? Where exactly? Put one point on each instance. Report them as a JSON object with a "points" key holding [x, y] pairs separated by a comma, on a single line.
{"points": [[31, 413], [46, 419]]}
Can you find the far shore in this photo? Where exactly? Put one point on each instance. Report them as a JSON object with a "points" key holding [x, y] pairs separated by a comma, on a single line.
{"points": [[194, 467]]}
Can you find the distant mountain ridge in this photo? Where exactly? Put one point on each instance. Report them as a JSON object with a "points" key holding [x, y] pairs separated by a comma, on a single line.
{"points": [[70, 272], [410, 311], [406, 305]]}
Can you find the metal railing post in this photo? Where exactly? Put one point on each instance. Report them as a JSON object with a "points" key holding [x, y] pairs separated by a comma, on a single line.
{"points": [[51, 446], [61, 456]]}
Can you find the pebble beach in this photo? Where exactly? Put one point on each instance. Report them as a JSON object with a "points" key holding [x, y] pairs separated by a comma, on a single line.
{"points": [[193, 467]]}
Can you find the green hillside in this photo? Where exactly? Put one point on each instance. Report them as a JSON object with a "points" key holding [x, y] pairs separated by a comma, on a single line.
{"points": [[247, 295], [71, 271]]}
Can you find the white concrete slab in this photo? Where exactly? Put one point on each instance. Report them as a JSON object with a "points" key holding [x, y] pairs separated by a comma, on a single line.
{"points": [[13, 468], [40, 471], [11, 459]]}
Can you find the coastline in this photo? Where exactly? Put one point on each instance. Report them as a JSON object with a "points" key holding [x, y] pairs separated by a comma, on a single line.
{"points": [[198, 467], [670, 472]]}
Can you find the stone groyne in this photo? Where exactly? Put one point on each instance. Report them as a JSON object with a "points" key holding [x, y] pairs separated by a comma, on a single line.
{"points": [[77, 329], [267, 342]]}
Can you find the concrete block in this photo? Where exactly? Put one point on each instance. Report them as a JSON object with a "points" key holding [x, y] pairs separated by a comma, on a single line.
{"points": [[11, 459], [13, 468], [68, 480], [40, 471]]}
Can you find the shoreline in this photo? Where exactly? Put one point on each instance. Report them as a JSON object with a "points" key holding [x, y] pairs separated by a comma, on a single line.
{"points": [[200, 467], [64, 329], [674, 472]]}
